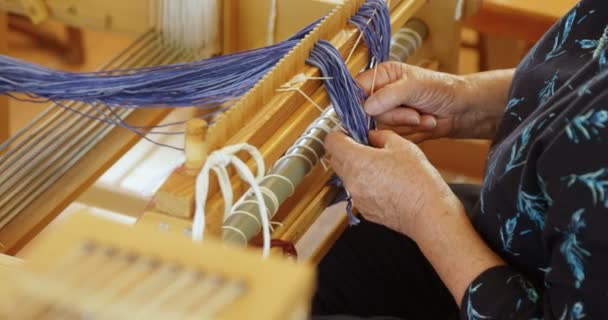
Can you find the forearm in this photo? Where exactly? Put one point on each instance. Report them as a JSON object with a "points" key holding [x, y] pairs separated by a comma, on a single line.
{"points": [[484, 99], [449, 241]]}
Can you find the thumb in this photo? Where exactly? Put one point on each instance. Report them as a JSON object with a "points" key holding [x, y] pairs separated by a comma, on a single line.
{"points": [[391, 96], [380, 76], [342, 150]]}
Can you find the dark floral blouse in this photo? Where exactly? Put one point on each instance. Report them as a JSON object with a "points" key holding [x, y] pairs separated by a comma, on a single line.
{"points": [[544, 201]]}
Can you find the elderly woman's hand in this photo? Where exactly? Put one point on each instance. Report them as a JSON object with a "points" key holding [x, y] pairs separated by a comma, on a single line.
{"points": [[425, 104], [392, 184]]}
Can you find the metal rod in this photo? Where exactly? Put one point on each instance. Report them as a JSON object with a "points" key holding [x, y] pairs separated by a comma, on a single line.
{"points": [[294, 166]]}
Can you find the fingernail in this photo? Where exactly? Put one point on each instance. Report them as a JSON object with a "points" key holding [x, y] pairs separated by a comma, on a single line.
{"points": [[370, 106], [432, 123], [414, 120]]}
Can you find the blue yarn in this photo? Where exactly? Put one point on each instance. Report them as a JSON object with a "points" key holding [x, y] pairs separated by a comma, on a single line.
{"points": [[212, 83], [373, 20], [346, 96], [206, 83]]}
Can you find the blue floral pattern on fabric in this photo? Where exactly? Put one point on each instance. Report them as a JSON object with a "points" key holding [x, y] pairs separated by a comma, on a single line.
{"points": [[543, 205]]}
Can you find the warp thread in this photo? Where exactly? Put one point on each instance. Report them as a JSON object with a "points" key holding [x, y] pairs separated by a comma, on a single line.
{"points": [[205, 83], [211, 83], [373, 21]]}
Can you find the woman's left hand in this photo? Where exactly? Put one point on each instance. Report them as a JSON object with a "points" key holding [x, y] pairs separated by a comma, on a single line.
{"points": [[392, 184]]}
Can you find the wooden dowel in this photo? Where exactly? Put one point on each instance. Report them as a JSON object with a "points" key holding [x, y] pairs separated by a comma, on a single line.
{"points": [[195, 145]]}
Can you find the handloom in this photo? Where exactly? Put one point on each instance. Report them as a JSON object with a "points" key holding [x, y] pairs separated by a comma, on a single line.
{"points": [[270, 116], [279, 123]]}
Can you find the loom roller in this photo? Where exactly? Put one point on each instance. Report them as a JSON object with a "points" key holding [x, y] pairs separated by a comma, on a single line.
{"points": [[289, 171]]}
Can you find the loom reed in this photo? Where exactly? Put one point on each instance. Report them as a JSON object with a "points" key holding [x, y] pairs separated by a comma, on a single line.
{"points": [[56, 144]]}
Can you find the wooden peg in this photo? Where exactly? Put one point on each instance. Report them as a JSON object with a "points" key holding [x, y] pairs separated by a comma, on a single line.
{"points": [[196, 146]]}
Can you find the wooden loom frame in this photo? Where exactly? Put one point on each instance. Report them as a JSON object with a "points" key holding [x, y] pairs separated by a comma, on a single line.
{"points": [[439, 16], [112, 147], [272, 121]]}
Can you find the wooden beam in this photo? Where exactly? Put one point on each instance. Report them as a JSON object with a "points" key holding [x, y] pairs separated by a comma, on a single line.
{"points": [[133, 16], [444, 34], [518, 19]]}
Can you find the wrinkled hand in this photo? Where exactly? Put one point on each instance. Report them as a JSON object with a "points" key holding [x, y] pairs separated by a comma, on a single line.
{"points": [[421, 103], [392, 184]]}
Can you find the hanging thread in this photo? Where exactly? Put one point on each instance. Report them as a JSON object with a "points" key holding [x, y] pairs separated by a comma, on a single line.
{"points": [[373, 21], [218, 162], [205, 83]]}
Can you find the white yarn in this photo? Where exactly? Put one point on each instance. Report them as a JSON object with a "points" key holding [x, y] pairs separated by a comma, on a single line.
{"points": [[298, 80], [191, 24], [217, 162], [292, 188], [272, 23]]}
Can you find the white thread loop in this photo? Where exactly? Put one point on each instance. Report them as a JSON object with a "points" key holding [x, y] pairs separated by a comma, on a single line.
{"points": [[217, 162]]}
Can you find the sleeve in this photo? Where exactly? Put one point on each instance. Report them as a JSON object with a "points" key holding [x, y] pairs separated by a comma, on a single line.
{"points": [[572, 177]]}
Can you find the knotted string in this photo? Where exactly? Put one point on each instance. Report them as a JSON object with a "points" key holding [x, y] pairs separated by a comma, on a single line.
{"points": [[218, 162]]}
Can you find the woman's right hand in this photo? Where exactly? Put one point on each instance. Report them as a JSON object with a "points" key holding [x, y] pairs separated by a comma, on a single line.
{"points": [[425, 104]]}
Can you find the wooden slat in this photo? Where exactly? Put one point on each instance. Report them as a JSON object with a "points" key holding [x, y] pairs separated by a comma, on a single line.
{"points": [[291, 284], [519, 19], [9, 262], [46, 207]]}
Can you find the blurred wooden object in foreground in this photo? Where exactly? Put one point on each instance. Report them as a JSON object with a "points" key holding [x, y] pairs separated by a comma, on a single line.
{"points": [[94, 268]]}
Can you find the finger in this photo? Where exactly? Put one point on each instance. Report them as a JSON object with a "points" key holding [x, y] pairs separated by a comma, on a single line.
{"points": [[428, 122], [400, 116], [386, 98], [385, 139], [400, 130], [342, 150], [420, 137], [380, 76]]}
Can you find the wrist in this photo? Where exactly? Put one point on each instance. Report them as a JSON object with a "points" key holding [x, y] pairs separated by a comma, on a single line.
{"points": [[483, 99], [431, 217]]}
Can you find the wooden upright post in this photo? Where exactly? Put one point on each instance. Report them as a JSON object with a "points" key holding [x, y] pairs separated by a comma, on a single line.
{"points": [[195, 144], [444, 33], [4, 111]]}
